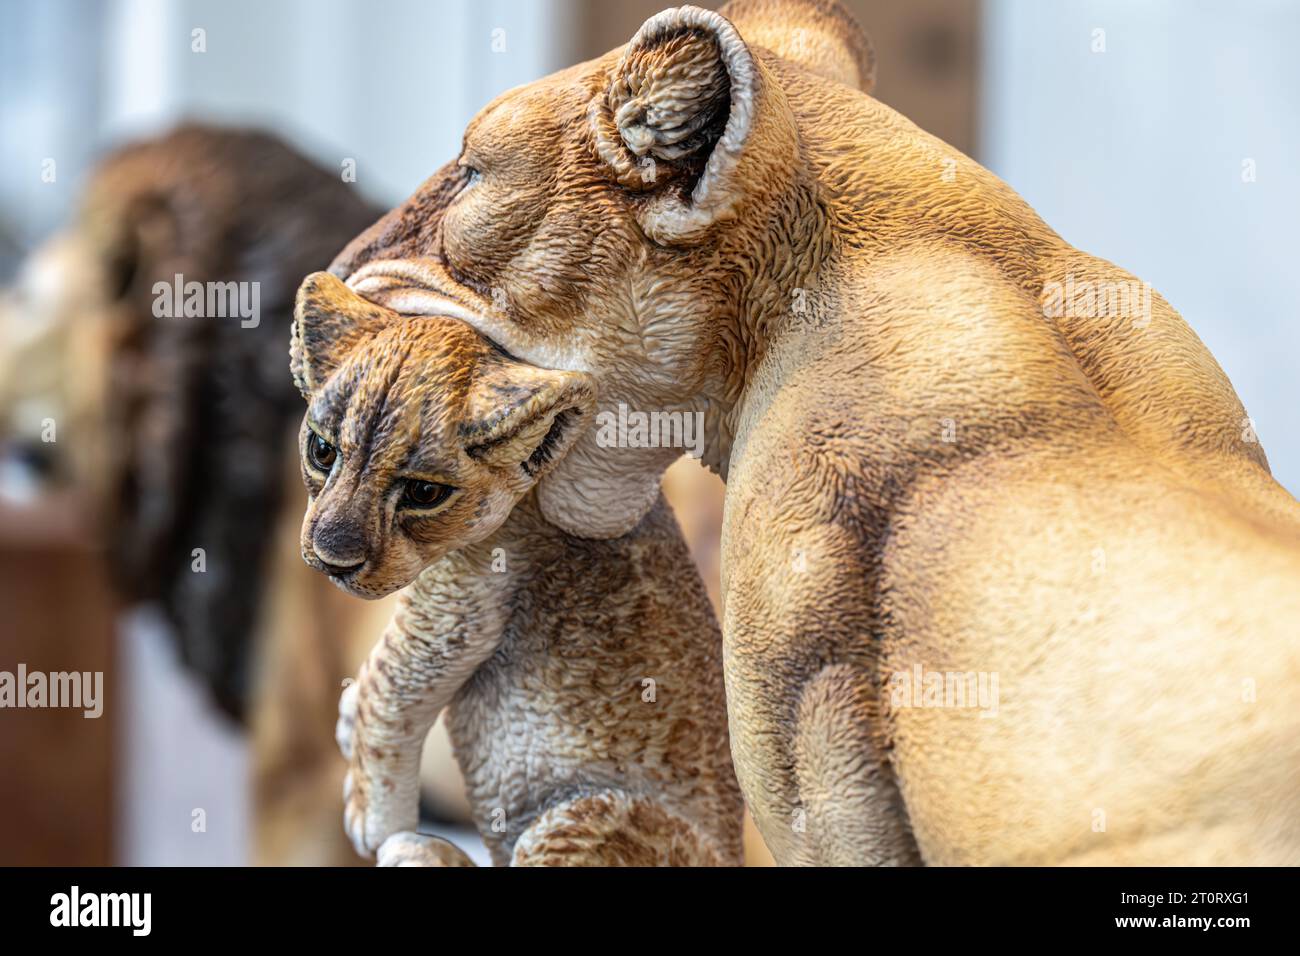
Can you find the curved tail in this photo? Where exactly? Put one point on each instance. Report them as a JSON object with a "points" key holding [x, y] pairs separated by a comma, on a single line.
{"points": [[819, 34]]}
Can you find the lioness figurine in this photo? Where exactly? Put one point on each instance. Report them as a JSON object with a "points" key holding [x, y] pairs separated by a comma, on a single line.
{"points": [[935, 466], [583, 678]]}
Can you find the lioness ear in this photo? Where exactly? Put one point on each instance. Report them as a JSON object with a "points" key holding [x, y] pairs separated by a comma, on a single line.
{"points": [[692, 120], [519, 416], [329, 319]]}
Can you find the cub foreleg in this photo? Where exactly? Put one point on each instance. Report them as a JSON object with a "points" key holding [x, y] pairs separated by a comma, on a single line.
{"points": [[438, 637]]}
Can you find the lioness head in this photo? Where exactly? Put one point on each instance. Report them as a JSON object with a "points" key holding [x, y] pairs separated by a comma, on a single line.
{"points": [[420, 435], [639, 218]]}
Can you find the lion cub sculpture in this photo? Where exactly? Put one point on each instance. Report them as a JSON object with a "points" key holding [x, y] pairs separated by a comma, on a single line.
{"points": [[583, 678]]}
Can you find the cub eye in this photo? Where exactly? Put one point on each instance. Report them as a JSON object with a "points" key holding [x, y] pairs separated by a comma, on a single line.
{"points": [[425, 494], [472, 176], [320, 453]]}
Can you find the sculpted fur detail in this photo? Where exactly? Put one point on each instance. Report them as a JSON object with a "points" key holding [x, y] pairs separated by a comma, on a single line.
{"points": [[928, 464], [582, 679]]}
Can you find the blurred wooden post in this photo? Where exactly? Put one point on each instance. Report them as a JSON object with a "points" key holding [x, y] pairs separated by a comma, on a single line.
{"points": [[56, 614]]}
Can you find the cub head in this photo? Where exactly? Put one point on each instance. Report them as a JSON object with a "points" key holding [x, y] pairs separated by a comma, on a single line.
{"points": [[420, 435], [639, 218]]}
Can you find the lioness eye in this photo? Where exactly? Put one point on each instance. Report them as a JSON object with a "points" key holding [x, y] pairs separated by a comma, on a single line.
{"points": [[320, 453], [425, 494]]}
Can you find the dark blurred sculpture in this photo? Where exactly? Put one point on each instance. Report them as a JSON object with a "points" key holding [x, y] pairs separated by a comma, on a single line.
{"points": [[198, 408]]}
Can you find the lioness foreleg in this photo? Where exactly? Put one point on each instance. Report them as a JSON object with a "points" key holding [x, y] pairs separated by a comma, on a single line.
{"points": [[854, 812], [803, 708]]}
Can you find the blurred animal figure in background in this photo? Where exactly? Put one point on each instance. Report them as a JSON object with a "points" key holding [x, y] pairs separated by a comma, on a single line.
{"points": [[177, 431], [196, 405], [48, 373]]}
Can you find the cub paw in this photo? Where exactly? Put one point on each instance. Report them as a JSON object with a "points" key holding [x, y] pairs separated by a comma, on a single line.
{"points": [[360, 820], [347, 722], [354, 815], [417, 849], [373, 810]]}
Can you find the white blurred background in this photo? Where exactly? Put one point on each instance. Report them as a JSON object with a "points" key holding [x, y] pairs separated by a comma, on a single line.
{"points": [[389, 84], [1175, 153]]}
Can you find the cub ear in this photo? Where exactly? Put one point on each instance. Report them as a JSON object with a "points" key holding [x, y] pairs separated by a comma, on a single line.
{"points": [[521, 417], [329, 320], [690, 118]]}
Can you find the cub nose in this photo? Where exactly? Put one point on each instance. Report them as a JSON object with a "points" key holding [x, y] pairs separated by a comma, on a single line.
{"points": [[339, 540], [339, 548]]}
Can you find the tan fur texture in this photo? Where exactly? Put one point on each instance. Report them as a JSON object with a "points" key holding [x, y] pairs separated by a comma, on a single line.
{"points": [[582, 679], [928, 465]]}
